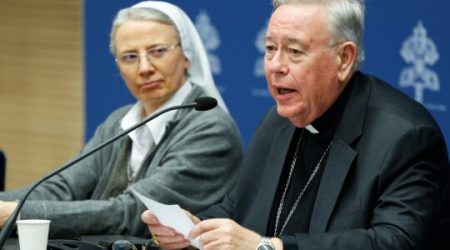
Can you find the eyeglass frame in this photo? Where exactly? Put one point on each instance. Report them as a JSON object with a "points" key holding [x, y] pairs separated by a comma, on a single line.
{"points": [[148, 54]]}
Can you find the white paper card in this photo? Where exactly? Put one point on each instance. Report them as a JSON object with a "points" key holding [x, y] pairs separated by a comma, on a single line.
{"points": [[169, 215]]}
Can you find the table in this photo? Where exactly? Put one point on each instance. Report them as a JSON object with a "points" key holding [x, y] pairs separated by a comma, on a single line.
{"points": [[13, 242]]}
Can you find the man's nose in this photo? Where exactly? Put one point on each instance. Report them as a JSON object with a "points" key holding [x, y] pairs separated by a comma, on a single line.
{"points": [[278, 63]]}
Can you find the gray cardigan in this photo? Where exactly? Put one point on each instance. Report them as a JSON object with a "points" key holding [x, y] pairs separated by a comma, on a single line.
{"points": [[194, 165]]}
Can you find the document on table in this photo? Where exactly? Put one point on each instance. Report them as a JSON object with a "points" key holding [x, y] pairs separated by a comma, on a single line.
{"points": [[169, 215]]}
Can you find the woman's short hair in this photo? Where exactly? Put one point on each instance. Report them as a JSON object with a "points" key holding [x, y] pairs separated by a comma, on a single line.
{"points": [[137, 14]]}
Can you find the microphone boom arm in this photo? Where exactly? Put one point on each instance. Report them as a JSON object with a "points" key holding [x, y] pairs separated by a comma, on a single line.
{"points": [[7, 227]]}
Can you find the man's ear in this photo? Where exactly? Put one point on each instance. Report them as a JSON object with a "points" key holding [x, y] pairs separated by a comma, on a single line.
{"points": [[347, 55]]}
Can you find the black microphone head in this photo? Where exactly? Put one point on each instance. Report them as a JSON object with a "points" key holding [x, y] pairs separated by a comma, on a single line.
{"points": [[205, 103]]}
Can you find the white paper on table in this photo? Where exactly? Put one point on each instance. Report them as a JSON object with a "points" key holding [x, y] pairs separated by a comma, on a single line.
{"points": [[169, 215]]}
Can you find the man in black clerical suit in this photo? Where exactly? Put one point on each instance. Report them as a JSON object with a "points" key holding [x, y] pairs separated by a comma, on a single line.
{"points": [[344, 161]]}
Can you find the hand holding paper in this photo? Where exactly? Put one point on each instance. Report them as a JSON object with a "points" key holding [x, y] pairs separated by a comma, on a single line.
{"points": [[169, 215]]}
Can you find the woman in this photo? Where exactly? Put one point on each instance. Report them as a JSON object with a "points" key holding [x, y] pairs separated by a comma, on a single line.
{"points": [[184, 157]]}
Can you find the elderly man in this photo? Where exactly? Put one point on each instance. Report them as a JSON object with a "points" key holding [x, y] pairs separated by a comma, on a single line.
{"points": [[344, 161]]}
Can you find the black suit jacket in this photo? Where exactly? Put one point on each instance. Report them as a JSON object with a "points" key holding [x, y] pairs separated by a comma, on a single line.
{"points": [[383, 184]]}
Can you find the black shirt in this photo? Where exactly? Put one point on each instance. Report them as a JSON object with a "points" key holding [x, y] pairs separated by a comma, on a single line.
{"points": [[309, 152]]}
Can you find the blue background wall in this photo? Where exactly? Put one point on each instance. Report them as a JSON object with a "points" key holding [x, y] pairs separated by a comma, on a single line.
{"points": [[406, 44]]}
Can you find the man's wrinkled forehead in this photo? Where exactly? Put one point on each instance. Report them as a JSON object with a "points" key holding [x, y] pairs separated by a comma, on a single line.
{"points": [[298, 24]]}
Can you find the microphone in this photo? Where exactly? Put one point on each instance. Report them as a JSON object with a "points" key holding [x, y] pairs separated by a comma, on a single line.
{"points": [[205, 103], [200, 104]]}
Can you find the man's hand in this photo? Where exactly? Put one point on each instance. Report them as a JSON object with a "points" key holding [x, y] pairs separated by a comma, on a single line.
{"points": [[224, 234], [168, 238]]}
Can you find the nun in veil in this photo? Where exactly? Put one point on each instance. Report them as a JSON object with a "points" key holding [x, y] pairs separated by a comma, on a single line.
{"points": [[183, 157]]}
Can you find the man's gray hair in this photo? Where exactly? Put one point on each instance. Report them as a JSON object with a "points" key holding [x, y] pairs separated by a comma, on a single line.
{"points": [[346, 19], [137, 14]]}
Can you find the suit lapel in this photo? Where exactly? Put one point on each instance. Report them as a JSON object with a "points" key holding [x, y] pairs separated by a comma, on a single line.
{"points": [[272, 171], [338, 164], [341, 154]]}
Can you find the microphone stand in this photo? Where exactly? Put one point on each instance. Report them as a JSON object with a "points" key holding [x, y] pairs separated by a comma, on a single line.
{"points": [[7, 228]]}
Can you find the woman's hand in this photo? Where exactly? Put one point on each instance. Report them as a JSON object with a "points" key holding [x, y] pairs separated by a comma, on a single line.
{"points": [[6, 209]]}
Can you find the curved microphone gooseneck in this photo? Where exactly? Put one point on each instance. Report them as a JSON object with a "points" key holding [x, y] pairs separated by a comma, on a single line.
{"points": [[200, 104]]}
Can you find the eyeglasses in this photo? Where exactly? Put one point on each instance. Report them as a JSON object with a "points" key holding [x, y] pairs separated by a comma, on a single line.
{"points": [[153, 54]]}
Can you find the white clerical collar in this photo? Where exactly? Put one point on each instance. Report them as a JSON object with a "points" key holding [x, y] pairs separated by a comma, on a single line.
{"points": [[312, 129], [156, 126]]}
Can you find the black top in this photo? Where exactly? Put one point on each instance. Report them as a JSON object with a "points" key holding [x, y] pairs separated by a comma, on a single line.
{"points": [[311, 149]]}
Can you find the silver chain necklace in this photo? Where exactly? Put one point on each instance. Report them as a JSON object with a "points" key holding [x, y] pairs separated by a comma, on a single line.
{"points": [[291, 171]]}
